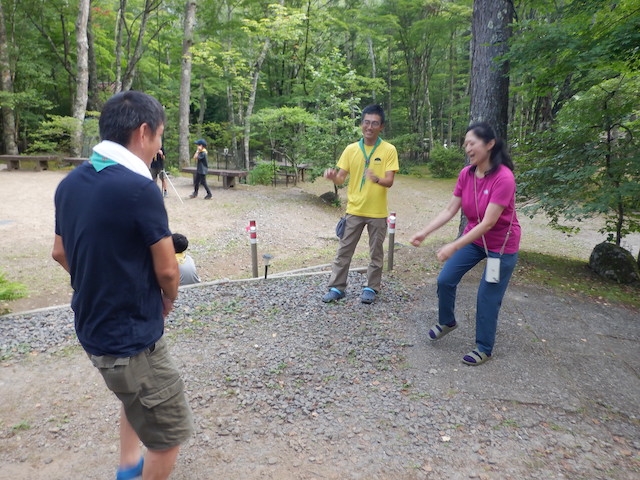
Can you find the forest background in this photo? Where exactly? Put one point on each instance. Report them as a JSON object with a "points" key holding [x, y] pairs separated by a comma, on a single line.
{"points": [[285, 81]]}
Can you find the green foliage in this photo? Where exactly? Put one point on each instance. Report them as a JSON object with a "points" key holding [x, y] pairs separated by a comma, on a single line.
{"points": [[334, 93], [262, 174], [285, 129], [577, 73], [563, 49], [588, 163], [446, 162], [11, 290], [53, 136]]}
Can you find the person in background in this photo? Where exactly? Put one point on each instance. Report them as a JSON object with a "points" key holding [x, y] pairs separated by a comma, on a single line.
{"points": [[486, 193], [112, 236], [157, 170], [371, 164], [202, 168], [187, 266]]}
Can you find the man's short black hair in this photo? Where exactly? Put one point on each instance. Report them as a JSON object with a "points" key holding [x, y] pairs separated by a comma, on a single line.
{"points": [[180, 242], [126, 111], [373, 110]]}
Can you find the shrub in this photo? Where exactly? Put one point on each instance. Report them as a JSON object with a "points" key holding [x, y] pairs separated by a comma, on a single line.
{"points": [[446, 162], [262, 174]]}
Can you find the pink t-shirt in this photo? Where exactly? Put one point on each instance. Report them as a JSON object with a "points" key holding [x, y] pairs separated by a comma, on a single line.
{"points": [[499, 187]]}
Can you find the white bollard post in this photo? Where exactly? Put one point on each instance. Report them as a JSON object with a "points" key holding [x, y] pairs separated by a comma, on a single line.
{"points": [[253, 238], [391, 222]]}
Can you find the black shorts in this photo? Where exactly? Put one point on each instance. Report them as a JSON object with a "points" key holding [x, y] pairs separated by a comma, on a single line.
{"points": [[157, 172]]}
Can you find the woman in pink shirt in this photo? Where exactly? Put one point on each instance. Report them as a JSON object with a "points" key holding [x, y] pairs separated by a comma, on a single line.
{"points": [[486, 193]]}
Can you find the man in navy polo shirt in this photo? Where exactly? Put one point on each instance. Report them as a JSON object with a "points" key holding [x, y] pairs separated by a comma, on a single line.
{"points": [[112, 236]]}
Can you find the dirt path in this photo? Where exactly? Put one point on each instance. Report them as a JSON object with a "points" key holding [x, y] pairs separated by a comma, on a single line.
{"points": [[560, 402], [294, 225]]}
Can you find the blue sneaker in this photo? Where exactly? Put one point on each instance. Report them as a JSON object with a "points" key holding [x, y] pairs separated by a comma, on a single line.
{"points": [[333, 295], [368, 295], [132, 472]]}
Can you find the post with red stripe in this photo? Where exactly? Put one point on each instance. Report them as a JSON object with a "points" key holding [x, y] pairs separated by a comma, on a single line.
{"points": [[253, 239], [391, 222]]}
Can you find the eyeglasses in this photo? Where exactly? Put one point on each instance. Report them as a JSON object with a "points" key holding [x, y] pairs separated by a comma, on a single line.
{"points": [[369, 123]]}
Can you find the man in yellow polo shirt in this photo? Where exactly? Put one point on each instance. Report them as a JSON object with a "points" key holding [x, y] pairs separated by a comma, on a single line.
{"points": [[371, 164]]}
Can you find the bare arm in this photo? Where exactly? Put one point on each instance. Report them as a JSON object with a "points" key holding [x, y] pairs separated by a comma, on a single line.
{"points": [[58, 252], [336, 176], [386, 181], [165, 266], [491, 216], [442, 218]]}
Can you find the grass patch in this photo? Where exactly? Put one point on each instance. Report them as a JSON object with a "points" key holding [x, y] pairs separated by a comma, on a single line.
{"points": [[11, 290], [573, 277], [22, 426]]}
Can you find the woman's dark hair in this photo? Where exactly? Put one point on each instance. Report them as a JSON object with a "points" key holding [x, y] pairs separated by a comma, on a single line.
{"points": [[123, 113], [498, 155]]}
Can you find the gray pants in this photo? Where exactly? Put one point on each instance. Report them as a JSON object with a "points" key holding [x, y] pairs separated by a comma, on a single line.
{"points": [[377, 229]]}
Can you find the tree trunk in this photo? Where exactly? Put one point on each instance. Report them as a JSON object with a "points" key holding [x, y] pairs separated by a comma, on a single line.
{"points": [[8, 114], [93, 101], [202, 101], [490, 32], [129, 74], [120, 27], [451, 95], [372, 57], [252, 100], [185, 82], [82, 76]]}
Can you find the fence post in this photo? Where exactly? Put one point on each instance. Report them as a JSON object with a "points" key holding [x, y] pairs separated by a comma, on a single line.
{"points": [[391, 222], [253, 238]]}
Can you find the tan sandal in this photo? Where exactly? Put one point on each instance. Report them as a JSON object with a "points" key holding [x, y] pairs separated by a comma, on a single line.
{"points": [[439, 331], [475, 358]]}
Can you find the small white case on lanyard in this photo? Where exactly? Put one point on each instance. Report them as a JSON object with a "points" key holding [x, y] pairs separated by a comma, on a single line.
{"points": [[492, 272]]}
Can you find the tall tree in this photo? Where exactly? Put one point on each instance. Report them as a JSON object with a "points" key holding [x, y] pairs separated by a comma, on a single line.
{"points": [[491, 30], [583, 57], [185, 81], [133, 43], [82, 76], [8, 115], [281, 25], [490, 33]]}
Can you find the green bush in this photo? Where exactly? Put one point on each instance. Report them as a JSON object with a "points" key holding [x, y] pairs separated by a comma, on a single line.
{"points": [[446, 162], [11, 290], [262, 174]]}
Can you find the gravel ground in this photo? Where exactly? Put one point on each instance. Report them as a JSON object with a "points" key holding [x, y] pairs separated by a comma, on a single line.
{"points": [[284, 386]]}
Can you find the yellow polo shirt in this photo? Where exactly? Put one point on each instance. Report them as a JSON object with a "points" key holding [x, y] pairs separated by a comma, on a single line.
{"points": [[368, 199]]}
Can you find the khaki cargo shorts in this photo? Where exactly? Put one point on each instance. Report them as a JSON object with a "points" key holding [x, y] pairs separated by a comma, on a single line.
{"points": [[152, 392]]}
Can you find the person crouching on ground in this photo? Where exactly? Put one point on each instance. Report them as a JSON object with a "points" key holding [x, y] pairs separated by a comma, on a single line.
{"points": [[112, 235], [371, 164], [187, 266], [486, 193]]}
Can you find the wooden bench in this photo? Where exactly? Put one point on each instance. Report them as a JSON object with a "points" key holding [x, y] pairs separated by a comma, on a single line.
{"points": [[228, 176], [14, 161], [73, 160], [302, 167], [287, 175]]}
